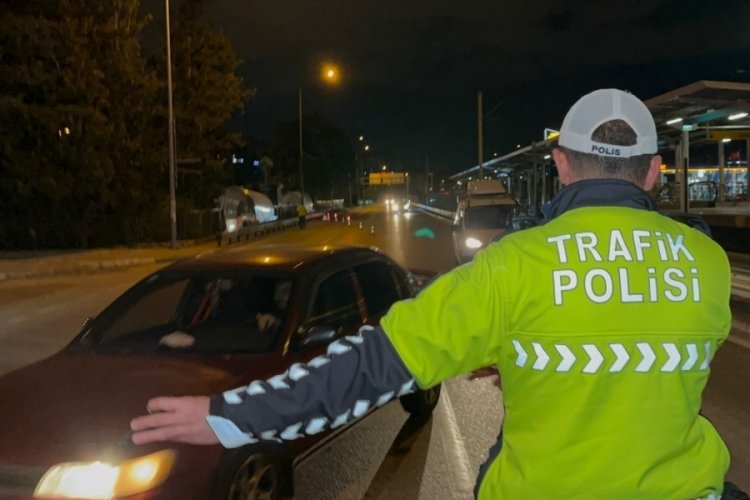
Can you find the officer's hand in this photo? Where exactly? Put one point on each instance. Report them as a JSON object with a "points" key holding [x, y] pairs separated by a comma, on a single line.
{"points": [[174, 419], [490, 371]]}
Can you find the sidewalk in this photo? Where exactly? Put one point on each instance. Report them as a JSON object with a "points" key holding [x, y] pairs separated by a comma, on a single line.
{"points": [[22, 265]]}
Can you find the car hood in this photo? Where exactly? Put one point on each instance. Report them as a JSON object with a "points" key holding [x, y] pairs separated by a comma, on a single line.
{"points": [[77, 406]]}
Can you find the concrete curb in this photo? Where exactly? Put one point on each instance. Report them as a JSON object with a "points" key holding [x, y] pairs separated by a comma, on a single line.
{"points": [[82, 267]]}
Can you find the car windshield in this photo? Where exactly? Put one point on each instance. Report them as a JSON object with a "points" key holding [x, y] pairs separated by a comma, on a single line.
{"points": [[488, 216], [200, 313]]}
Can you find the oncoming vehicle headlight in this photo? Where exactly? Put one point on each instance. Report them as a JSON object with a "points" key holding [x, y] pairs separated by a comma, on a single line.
{"points": [[100, 480], [473, 243]]}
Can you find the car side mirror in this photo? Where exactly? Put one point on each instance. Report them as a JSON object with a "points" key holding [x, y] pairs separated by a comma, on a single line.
{"points": [[84, 331], [317, 336]]}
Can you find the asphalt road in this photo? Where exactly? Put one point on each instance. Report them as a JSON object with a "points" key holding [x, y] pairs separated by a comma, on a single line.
{"points": [[387, 455]]}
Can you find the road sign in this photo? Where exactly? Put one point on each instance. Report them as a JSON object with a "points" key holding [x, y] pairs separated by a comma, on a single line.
{"points": [[387, 178], [738, 134], [550, 133]]}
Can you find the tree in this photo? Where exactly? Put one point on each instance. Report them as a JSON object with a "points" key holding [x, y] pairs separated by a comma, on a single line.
{"points": [[83, 151], [207, 92], [76, 90]]}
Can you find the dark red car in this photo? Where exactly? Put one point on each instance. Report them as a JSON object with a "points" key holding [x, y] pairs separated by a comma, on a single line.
{"points": [[198, 326]]}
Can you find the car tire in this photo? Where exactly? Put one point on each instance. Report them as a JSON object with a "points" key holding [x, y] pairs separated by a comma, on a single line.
{"points": [[422, 402], [253, 474]]}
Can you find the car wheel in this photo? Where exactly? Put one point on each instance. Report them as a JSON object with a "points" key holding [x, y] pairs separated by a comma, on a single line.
{"points": [[254, 475], [422, 402]]}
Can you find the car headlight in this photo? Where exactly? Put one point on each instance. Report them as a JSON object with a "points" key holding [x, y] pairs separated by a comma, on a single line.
{"points": [[473, 243], [100, 480]]}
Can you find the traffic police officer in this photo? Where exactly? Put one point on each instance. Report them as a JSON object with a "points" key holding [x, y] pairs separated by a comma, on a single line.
{"points": [[602, 323]]}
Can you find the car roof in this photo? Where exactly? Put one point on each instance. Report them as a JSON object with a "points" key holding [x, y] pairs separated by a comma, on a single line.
{"points": [[291, 257]]}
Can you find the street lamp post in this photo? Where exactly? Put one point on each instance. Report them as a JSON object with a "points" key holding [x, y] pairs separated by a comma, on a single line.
{"points": [[480, 134], [172, 196], [301, 153], [330, 73]]}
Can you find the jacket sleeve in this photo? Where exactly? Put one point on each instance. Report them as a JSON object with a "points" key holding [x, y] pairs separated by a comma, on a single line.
{"points": [[457, 324], [356, 375]]}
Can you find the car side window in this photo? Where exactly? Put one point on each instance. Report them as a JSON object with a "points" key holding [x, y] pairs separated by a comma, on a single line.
{"points": [[335, 304], [380, 286]]}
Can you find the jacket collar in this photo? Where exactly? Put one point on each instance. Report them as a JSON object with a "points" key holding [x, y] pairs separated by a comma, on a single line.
{"points": [[600, 193]]}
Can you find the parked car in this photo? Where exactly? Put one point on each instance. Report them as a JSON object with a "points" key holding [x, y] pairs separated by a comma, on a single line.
{"points": [[198, 326]]}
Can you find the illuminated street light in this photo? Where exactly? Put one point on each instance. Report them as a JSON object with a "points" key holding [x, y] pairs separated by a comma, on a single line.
{"points": [[737, 116], [367, 148], [330, 73], [384, 167], [361, 138]]}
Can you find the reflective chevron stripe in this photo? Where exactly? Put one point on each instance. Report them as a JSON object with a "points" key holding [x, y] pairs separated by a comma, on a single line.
{"points": [[648, 357], [568, 358], [707, 360], [595, 359], [542, 358], [692, 357], [563, 358], [622, 357], [522, 356], [674, 357]]}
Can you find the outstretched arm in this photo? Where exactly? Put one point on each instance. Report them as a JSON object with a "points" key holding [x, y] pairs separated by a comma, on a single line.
{"points": [[356, 375]]}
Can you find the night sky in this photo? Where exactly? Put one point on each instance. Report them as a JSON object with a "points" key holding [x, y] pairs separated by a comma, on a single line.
{"points": [[412, 69]]}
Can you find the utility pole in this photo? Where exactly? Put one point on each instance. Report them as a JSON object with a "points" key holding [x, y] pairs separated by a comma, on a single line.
{"points": [[301, 154], [426, 175], [172, 194], [480, 133]]}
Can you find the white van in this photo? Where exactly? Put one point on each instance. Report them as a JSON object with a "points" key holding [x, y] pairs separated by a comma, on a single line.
{"points": [[484, 214]]}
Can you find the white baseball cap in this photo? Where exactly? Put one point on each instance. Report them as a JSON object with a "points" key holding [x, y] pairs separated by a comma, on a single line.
{"points": [[601, 106]]}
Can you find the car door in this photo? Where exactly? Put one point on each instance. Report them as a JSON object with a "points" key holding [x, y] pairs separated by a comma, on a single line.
{"points": [[381, 285]]}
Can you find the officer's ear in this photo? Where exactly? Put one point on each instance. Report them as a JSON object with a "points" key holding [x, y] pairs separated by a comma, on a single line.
{"points": [[653, 173], [563, 167]]}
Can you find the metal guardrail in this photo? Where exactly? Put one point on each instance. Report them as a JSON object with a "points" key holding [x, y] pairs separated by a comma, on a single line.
{"points": [[258, 230], [447, 214]]}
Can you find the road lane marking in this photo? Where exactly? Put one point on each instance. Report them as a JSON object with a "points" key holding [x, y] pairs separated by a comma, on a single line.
{"points": [[459, 458], [17, 319], [736, 339]]}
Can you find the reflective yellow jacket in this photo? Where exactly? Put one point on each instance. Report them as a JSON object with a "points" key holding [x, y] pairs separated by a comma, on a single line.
{"points": [[602, 323]]}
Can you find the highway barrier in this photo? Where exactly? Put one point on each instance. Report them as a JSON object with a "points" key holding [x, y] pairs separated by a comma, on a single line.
{"points": [[253, 231]]}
